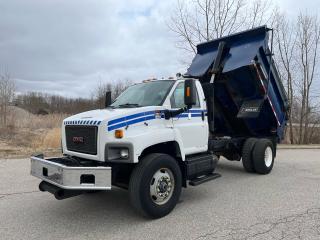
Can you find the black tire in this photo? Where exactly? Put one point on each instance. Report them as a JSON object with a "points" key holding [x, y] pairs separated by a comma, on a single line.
{"points": [[140, 182], [247, 149], [92, 191], [259, 151]]}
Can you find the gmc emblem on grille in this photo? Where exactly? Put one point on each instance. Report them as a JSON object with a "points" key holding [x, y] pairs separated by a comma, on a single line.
{"points": [[78, 139]]}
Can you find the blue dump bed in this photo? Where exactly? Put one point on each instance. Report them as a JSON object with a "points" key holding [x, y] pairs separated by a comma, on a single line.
{"points": [[249, 97]]}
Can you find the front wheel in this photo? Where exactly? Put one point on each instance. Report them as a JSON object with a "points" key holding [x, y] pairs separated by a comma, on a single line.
{"points": [[155, 185]]}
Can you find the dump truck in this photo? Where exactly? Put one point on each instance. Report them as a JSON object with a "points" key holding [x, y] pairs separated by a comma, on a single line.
{"points": [[161, 135]]}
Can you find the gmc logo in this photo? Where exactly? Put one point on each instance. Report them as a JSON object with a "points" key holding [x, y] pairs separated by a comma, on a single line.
{"points": [[78, 139]]}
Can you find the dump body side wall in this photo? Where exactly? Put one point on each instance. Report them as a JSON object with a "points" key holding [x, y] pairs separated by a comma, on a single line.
{"points": [[248, 75]]}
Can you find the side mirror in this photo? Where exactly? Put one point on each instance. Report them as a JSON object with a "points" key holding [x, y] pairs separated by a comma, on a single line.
{"points": [[108, 99], [189, 92]]}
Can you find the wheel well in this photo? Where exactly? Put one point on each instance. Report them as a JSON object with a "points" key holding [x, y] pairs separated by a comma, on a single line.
{"points": [[171, 148]]}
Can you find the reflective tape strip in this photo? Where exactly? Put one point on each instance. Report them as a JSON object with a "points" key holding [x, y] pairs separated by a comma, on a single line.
{"points": [[83, 122], [265, 91]]}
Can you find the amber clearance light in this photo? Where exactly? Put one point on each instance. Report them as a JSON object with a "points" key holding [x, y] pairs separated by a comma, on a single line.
{"points": [[188, 92], [118, 133]]}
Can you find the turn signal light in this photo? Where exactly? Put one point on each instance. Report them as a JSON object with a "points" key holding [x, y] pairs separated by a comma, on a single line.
{"points": [[188, 92], [118, 133]]}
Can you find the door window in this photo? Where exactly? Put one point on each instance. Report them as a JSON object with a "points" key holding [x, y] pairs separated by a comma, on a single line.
{"points": [[177, 98]]}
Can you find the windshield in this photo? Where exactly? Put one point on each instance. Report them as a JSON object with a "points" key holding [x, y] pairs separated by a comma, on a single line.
{"points": [[144, 94]]}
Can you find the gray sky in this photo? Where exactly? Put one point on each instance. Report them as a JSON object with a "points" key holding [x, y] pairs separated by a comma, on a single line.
{"points": [[67, 47]]}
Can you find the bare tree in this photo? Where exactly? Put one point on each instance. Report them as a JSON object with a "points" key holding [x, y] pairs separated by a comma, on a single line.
{"points": [[116, 89], [44, 103], [314, 128], [197, 21], [308, 36], [286, 39], [7, 91], [100, 93]]}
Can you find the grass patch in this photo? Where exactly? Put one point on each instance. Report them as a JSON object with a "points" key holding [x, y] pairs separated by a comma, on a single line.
{"points": [[27, 134]]}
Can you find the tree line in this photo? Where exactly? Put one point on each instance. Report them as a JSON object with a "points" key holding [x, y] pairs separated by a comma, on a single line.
{"points": [[45, 103]]}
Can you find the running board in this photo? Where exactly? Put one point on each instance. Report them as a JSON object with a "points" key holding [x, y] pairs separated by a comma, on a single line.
{"points": [[199, 180]]}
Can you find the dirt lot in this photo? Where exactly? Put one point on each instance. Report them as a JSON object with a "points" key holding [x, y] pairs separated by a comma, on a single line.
{"points": [[282, 205]]}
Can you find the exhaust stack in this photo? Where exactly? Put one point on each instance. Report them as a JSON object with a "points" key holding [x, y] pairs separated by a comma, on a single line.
{"points": [[58, 193]]}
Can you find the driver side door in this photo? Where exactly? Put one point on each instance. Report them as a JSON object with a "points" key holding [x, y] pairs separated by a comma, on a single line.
{"points": [[191, 126]]}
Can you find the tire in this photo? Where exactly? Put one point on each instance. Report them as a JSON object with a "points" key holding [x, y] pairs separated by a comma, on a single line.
{"points": [[247, 160], [263, 156], [143, 184], [92, 191]]}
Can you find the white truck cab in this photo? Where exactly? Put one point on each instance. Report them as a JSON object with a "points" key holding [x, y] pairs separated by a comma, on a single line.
{"points": [[139, 114]]}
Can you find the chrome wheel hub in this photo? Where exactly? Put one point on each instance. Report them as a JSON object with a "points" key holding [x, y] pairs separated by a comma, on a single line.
{"points": [[162, 186], [268, 156]]}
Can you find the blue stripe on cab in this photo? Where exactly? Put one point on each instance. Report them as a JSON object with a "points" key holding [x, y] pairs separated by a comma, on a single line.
{"points": [[134, 121], [194, 113], [126, 118], [118, 120], [196, 110]]}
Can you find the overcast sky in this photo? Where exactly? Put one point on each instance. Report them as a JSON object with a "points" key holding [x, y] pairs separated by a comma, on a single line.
{"points": [[67, 46]]}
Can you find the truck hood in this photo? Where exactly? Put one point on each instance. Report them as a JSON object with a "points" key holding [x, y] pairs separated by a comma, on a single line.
{"points": [[95, 117]]}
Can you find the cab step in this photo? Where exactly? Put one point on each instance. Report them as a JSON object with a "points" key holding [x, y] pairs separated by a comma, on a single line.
{"points": [[200, 165], [199, 180]]}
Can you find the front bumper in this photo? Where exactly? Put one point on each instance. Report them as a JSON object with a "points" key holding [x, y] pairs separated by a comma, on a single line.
{"points": [[53, 171]]}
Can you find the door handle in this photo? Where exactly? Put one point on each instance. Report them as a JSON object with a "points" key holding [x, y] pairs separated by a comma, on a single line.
{"points": [[202, 115]]}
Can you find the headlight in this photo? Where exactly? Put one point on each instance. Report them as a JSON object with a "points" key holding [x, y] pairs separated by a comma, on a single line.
{"points": [[119, 152], [124, 153]]}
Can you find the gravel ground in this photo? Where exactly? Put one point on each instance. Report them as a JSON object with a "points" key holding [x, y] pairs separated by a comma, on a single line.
{"points": [[282, 205]]}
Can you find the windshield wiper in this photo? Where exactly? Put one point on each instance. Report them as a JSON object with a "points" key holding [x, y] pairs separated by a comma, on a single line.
{"points": [[129, 105]]}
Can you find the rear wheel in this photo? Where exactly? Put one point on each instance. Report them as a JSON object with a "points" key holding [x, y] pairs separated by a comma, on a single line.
{"points": [[263, 156], [155, 185], [92, 191], [247, 149]]}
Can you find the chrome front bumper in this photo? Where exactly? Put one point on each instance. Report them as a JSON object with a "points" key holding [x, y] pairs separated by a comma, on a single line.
{"points": [[71, 178]]}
